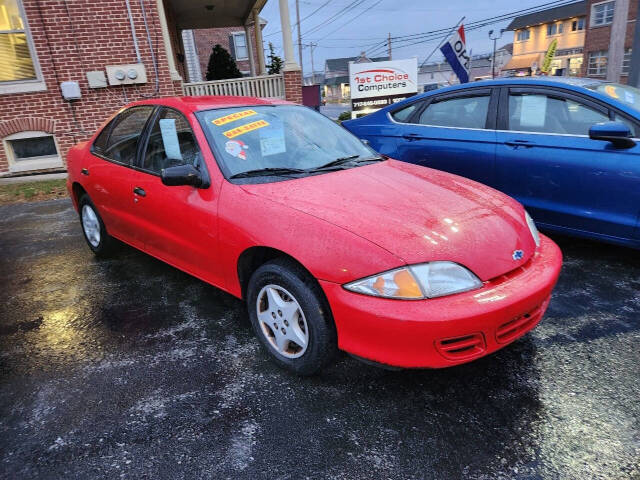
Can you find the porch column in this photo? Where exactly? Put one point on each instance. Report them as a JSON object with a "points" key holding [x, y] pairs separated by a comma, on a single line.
{"points": [[166, 39], [291, 72], [287, 41], [259, 45], [252, 60]]}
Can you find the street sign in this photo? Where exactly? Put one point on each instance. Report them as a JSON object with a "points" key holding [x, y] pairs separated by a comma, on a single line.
{"points": [[378, 84]]}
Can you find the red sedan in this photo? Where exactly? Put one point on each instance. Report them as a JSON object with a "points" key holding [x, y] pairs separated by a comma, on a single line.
{"points": [[331, 245]]}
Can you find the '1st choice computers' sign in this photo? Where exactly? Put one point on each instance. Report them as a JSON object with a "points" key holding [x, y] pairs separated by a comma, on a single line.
{"points": [[376, 85]]}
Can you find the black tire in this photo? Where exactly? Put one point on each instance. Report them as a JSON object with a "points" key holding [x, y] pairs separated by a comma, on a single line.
{"points": [[322, 338], [106, 243]]}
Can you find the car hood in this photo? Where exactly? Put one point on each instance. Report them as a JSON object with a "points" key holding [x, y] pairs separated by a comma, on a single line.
{"points": [[416, 213]]}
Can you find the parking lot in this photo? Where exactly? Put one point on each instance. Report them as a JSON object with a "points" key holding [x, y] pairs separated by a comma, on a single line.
{"points": [[129, 367]]}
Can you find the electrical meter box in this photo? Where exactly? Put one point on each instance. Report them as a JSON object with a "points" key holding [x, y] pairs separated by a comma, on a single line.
{"points": [[126, 74], [70, 90]]}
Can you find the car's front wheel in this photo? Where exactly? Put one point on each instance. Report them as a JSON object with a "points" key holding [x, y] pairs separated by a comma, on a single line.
{"points": [[95, 233], [290, 317]]}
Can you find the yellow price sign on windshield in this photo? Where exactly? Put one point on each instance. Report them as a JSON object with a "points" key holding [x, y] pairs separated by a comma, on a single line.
{"points": [[232, 117], [249, 127]]}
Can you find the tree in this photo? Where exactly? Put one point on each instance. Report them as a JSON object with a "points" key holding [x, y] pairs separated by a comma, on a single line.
{"points": [[275, 62], [221, 65]]}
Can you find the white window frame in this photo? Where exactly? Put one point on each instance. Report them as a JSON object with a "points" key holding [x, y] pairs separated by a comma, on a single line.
{"points": [[604, 19], [626, 61], [577, 22], [36, 163], [594, 55], [235, 45], [22, 86]]}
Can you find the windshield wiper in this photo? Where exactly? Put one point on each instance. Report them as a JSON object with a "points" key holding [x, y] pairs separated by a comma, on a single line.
{"points": [[269, 171], [344, 160]]}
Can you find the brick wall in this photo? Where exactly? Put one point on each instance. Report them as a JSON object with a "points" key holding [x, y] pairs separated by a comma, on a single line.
{"points": [[206, 38], [93, 34], [293, 86], [598, 38]]}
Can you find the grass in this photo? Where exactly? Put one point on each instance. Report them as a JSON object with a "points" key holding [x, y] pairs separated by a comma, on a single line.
{"points": [[32, 191]]}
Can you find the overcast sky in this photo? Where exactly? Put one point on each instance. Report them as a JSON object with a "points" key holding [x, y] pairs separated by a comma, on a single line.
{"points": [[368, 24]]}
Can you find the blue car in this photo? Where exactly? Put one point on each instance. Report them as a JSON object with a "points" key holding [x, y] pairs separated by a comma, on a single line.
{"points": [[568, 149]]}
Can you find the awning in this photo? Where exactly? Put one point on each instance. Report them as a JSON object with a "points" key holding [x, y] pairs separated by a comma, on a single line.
{"points": [[522, 61]]}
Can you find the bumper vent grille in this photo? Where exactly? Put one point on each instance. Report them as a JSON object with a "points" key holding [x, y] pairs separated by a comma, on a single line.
{"points": [[519, 325], [459, 348]]}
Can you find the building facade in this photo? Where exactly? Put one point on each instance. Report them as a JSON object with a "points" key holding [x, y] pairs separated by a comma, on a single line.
{"points": [[66, 66], [534, 33], [609, 39], [336, 86]]}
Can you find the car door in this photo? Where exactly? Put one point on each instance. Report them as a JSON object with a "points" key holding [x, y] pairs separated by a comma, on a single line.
{"points": [[547, 161], [454, 132], [109, 170], [177, 224]]}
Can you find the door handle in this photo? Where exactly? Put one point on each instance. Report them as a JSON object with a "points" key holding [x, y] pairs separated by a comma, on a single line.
{"points": [[519, 143], [140, 191], [84, 171], [411, 136]]}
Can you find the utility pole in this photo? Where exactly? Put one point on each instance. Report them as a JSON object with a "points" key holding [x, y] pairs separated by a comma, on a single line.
{"points": [[493, 57], [311, 47], [616, 40], [299, 37], [389, 46], [634, 73]]}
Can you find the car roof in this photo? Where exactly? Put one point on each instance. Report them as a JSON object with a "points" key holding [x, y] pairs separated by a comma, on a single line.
{"points": [[194, 104], [571, 82]]}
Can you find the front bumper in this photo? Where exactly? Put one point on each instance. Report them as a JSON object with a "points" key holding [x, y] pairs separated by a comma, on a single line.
{"points": [[446, 331]]}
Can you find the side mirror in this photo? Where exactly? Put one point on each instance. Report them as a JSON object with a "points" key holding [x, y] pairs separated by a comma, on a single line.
{"points": [[183, 175], [615, 132]]}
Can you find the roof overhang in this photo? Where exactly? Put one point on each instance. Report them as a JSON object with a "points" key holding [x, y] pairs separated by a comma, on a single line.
{"points": [[192, 14]]}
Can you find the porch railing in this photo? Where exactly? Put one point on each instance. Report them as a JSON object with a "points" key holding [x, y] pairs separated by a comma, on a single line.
{"points": [[267, 86]]}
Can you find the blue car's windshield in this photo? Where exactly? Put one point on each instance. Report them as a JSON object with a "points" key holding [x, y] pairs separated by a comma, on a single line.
{"points": [[630, 96], [283, 137]]}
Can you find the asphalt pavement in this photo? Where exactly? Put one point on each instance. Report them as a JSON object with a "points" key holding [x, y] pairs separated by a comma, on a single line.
{"points": [[129, 368]]}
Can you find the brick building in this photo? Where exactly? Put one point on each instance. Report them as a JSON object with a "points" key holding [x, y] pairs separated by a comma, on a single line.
{"points": [[239, 43], [609, 38], [101, 46]]}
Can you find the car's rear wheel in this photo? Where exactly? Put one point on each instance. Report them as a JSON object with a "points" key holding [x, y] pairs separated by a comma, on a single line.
{"points": [[290, 317], [95, 233]]}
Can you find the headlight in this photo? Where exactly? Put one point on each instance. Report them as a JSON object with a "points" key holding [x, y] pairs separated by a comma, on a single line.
{"points": [[532, 227], [427, 280]]}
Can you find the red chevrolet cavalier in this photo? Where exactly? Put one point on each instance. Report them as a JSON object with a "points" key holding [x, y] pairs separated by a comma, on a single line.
{"points": [[331, 245]]}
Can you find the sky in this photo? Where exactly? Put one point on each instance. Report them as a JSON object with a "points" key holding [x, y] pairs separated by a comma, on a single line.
{"points": [[366, 26]]}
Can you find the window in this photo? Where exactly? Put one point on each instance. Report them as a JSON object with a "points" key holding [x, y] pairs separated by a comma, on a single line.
{"points": [[16, 50], [552, 29], [575, 65], [626, 61], [465, 112], [635, 131], [597, 65], [32, 151], [551, 114], [523, 35], [239, 46], [577, 25], [602, 13], [171, 143], [403, 114], [122, 144]]}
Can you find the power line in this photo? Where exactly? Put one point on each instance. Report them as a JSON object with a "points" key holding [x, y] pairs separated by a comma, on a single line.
{"points": [[302, 19]]}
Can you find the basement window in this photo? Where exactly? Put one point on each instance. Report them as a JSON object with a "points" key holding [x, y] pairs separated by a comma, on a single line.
{"points": [[32, 151]]}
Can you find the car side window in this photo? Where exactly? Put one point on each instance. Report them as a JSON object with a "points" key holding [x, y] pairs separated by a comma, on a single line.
{"points": [[540, 113], [171, 143], [460, 112], [635, 131], [403, 114], [100, 143], [122, 144]]}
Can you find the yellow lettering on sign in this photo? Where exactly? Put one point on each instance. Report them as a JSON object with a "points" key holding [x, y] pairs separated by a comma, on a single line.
{"points": [[249, 127], [233, 117]]}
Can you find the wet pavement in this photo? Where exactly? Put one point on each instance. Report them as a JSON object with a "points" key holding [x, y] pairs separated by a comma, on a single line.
{"points": [[129, 368]]}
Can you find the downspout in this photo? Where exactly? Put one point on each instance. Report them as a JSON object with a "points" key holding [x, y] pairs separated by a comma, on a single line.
{"points": [[153, 55], [133, 32]]}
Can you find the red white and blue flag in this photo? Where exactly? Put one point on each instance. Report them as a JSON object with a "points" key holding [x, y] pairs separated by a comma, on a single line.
{"points": [[455, 51]]}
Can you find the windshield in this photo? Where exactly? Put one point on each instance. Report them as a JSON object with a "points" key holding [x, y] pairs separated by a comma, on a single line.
{"points": [[630, 96], [289, 138]]}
